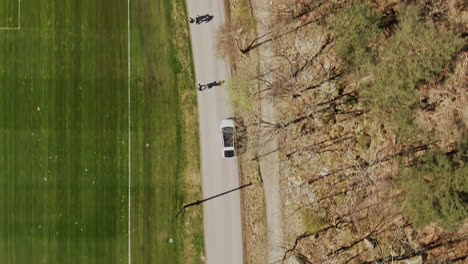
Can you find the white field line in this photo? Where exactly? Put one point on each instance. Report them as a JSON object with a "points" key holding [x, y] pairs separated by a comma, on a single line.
{"points": [[129, 137], [19, 20], [19, 14]]}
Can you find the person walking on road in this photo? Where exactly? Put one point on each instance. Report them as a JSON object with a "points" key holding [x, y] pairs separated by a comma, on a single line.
{"points": [[202, 87], [200, 19]]}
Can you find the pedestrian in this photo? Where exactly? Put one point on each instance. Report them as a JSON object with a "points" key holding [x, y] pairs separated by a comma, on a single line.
{"points": [[201, 87], [191, 20]]}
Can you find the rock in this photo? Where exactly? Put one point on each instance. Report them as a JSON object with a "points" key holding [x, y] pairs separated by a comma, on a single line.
{"points": [[371, 243], [295, 260]]}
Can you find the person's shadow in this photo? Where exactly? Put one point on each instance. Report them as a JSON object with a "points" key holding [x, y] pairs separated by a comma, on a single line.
{"points": [[205, 18], [208, 18]]}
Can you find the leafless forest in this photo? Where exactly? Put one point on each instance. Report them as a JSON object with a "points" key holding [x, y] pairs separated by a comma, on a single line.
{"points": [[372, 104]]}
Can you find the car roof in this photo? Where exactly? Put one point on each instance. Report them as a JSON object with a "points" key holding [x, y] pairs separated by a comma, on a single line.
{"points": [[227, 123]]}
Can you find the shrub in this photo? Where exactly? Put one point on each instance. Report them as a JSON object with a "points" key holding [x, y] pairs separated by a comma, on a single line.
{"points": [[363, 142], [354, 29], [416, 52], [240, 90], [436, 190], [314, 220]]}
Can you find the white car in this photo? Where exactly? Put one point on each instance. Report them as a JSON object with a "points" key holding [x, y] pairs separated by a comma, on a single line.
{"points": [[227, 128]]}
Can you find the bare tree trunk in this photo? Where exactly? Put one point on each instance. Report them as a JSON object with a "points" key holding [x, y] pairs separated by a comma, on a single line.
{"points": [[374, 231], [353, 187], [317, 85], [321, 145], [338, 222], [296, 242], [257, 42], [327, 42]]}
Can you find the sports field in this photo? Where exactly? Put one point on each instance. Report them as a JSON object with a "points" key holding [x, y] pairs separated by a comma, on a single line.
{"points": [[91, 135], [9, 14]]}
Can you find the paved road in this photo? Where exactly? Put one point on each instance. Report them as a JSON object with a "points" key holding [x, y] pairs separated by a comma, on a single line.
{"points": [[222, 217]]}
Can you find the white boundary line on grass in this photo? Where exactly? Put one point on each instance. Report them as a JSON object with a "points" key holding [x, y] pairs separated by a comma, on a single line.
{"points": [[19, 20], [129, 132], [19, 14]]}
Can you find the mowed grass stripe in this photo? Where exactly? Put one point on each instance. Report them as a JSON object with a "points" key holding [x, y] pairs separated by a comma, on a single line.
{"points": [[9, 13], [63, 126], [157, 151]]}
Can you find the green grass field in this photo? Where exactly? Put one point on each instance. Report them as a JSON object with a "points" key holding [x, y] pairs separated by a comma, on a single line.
{"points": [[9, 13], [64, 133]]}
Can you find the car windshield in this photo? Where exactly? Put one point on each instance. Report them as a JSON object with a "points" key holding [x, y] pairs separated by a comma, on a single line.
{"points": [[228, 136], [229, 153]]}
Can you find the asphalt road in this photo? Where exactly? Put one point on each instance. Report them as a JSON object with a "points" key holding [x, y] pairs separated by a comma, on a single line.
{"points": [[222, 216]]}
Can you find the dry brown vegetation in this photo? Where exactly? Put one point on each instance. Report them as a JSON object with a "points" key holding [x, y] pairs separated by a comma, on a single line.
{"points": [[447, 100], [239, 27], [340, 160]]}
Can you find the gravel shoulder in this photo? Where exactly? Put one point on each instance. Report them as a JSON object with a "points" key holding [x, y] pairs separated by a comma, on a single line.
{"points": [[269, 164]]}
